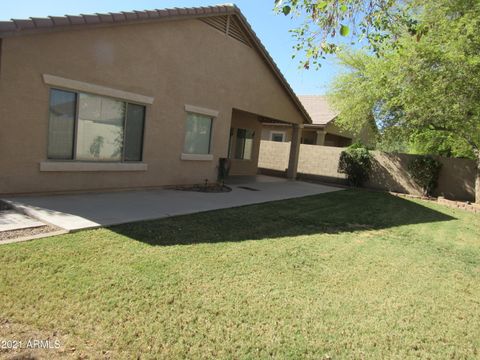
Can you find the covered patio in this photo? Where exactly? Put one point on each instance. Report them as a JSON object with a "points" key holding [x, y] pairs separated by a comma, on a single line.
{"points": [[91, 210], [244, 143]]}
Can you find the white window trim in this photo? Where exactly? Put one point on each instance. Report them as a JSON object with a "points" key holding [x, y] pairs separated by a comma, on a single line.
{"points": [[81, 86], [197, 157], [207, 112], [75, 139], [201, 111], [75, 166], [284, 135]]}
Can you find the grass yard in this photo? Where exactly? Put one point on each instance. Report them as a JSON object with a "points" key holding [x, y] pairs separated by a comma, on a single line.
{"points": [[349, 274]]}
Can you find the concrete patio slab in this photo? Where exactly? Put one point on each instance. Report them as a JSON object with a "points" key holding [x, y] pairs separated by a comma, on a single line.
{"points": [[82, 211], [12, 220]]}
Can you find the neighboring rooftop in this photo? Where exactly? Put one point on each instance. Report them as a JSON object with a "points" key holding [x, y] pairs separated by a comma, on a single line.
{"points": [[318, 108], [62, 23]]}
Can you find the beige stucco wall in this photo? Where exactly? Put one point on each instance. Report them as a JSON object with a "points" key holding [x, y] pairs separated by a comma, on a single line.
{"points": [[175, 62], [389, 171]]}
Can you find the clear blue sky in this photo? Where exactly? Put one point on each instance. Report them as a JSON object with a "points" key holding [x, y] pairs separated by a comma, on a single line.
{"points": [[272, 29]]}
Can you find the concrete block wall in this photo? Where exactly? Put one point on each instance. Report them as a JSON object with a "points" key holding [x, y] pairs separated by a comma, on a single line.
{"points": [[321, 161], [389, 171], [274, 155]]}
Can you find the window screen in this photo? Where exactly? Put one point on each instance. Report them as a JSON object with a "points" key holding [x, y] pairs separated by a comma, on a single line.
{"points": [[61, 125], [94, 128], [134, 132], [198, 134], [100, 128]]}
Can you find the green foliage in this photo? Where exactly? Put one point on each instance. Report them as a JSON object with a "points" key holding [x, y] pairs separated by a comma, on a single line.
{"points": [[344, 30], [372, 20], [425, 90], [425, 171], [419, 78], [392, 140], [440, 143], [352, 93], [424, 141], [356, 163]]}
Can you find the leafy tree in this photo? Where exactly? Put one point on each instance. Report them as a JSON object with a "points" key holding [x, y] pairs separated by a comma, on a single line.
{"points": [[327, 22], [439, 143], [426, 88], [419, 77]]}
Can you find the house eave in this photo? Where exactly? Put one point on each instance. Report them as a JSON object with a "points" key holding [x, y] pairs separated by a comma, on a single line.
{"points": [[19, 27]]}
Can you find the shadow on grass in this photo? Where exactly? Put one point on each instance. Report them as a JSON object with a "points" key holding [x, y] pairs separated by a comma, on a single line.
{"points": [[336, 212]]}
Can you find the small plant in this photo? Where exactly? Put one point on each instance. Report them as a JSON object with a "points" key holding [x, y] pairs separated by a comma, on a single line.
{"points": [[425, 171], [356, 163]]}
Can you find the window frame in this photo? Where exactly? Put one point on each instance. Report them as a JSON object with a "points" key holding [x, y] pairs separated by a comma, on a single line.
{"points": [[143, 131], [213, 115], [273, 132], [210, 137], [76, 125], [74, 134]]}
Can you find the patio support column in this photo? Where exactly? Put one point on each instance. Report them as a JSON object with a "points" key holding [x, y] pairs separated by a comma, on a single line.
{"points": [[294, 151], [321, 137]]}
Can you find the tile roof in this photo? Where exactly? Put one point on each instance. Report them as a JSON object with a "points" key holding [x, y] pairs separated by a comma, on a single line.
{"points": [[15, 26], [59, 23], [318, 108]]}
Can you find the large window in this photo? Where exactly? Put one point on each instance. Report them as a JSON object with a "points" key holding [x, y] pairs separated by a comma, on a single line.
{"points": [[100, 128], [198, 134], [94, 128], [244, 144]]}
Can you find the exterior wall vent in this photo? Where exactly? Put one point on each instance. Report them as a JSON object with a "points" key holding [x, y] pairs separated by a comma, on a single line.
{"points": [[228, 25]]}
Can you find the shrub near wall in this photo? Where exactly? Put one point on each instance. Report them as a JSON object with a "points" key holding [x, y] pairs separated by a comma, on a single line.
{"points": [[389, 171], [356, 163], [425, 171]]}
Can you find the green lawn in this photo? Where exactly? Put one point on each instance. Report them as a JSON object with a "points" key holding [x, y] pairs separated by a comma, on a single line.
{"points": [[349, 274]]}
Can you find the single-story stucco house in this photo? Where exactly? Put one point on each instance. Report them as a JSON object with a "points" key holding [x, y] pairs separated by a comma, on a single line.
{"points": [[322, 130], [136, 100]]}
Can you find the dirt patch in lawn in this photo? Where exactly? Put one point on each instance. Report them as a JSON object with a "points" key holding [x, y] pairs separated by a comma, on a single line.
{"points": [[23, 233]]}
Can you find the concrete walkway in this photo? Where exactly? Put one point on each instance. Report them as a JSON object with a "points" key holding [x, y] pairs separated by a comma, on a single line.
{"points": [[82, 211], [12, 220]]}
